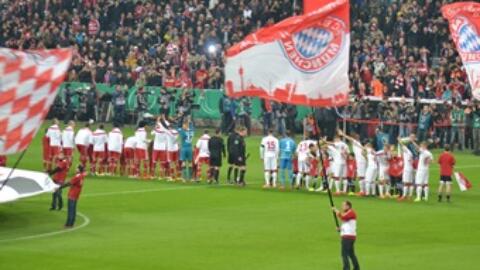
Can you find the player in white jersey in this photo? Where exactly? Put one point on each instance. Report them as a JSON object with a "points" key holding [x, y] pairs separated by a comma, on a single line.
{"points": [[371, 172], [141, 150], [129, 155], [269, 151], [55, 141], [82, 141], [99, 140], [202, 156], [68, 141], [425, 158], [174, 167], [303, 163], [360, 160], [115, 147], [408, 170], [339, 166], [383, 158], [159, 153]]}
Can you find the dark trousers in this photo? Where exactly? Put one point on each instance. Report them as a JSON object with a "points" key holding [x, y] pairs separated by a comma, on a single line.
{"points": [[72, 212], [348, 253], [57, 199], [119, 115]]}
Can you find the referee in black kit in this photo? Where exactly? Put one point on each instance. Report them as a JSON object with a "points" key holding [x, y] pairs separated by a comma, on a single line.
{"points": [[237, 156], [216, 147]]}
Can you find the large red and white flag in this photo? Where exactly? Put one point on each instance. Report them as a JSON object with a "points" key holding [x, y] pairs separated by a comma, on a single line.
{"points": [[464, 21], [301, 60], [29, 81], [463, 183]]}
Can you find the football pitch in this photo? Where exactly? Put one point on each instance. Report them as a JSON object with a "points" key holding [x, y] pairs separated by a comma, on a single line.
{"points": [[137, 224]]}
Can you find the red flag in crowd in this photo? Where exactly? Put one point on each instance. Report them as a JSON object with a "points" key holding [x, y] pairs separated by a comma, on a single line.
{"points": [[300, 60], [464, 21], [28, 85]]}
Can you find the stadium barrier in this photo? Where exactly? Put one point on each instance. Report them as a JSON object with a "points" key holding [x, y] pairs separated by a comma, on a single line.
{"points": [[207, 99]]}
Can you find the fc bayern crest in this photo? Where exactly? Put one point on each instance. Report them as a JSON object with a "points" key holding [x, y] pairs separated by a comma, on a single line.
{"points": [[467, 39], [314, 47]]}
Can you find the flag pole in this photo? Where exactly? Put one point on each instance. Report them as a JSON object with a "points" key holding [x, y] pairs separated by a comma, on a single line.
{"points": [[13, 168], [325, 180]]}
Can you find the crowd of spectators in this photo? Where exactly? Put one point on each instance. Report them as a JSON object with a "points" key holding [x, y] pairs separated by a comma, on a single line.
{"points": [[399, 48]]}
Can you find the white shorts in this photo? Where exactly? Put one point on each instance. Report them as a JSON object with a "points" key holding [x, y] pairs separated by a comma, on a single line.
{"points": [[371, 174], [383, 174], [339, 170], [421, 178], [303, 166], [407, 177], [361, 169], [270, 164]]}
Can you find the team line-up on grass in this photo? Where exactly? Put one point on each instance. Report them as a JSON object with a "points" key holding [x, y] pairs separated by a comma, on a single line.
{"points": [[167, 152]]}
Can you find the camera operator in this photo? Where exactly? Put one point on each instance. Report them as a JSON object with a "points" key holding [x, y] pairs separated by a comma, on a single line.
{"points": [[119, 102], [185, 105], [142, 104], [244, 111], [67, 96], [164, 101], [92, 103]]}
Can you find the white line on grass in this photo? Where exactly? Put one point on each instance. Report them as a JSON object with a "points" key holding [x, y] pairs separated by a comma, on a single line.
{"points": [[86, 221], [100, 194]]}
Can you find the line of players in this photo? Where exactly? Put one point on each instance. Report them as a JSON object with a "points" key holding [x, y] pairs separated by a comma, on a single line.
{"points": [[386, 173], [109, 153]]}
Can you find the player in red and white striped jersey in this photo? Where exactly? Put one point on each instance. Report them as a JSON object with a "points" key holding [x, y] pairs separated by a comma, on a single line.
{"points": [[82, 141], [55, 142], [174, 166], [141, 150], [302, 158], [115, 147], [129, 156], [269, 152], [203, 155], [68, 142], [99, 139], [159, 154]]}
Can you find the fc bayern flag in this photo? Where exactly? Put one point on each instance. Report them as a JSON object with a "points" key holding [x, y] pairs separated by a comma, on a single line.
{"points": [[301, 60], [463, 183], [29, 81], [464, 20]]}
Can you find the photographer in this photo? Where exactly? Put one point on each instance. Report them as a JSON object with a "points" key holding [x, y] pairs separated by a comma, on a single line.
{"points": [[185, 105], [141, 104], [244, 111], [118, 101], [67, 97], [91, 103], [164, 102]]}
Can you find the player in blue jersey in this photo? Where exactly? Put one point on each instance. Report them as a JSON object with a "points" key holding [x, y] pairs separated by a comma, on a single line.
{"points": [[186, 133], [287, 150]]}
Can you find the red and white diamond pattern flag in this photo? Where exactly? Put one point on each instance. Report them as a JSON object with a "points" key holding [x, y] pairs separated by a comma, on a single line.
{"points": [[29, 81]]}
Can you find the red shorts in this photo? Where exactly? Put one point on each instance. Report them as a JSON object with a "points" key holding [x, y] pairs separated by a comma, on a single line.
{"points": [[203, 160], [173, 156], [128, 153], [54, 151], [82, 149], [141, 154], [159, 155], [3, 161], [98, 155], [114, 155], [68, 152]]}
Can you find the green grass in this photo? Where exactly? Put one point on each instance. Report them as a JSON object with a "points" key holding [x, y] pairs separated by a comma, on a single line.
{"points": [[196, 226]]}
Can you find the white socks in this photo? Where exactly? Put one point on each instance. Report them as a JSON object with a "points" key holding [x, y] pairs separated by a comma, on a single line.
{"points": [[345, 186], [337, 185], [267, 178], [274, 179]]}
